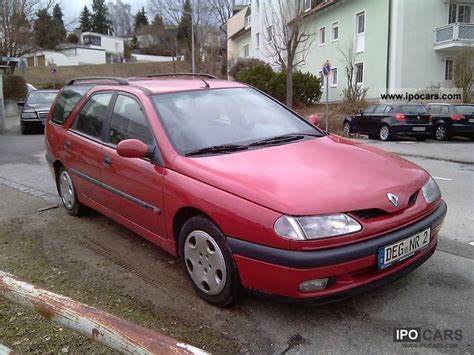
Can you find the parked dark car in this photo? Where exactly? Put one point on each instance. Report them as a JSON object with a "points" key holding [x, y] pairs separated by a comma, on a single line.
{"points": [[389, 121], [452, 120], [35, 110]]}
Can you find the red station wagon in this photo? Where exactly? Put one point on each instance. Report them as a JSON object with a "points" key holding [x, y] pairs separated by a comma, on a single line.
{"points": [[245, 192]]}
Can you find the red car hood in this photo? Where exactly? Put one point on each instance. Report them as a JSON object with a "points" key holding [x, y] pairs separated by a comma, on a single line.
{"points": [[315, 176]]}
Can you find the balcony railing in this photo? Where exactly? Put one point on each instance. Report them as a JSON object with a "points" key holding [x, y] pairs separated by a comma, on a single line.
{"points": [[454, 32]]}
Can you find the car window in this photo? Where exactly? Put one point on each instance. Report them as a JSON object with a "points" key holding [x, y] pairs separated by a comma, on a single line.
{"points": [[380, 108], [413, 109], [434, 109], [370, 109], [444, 109], [128, 122], [91, 118], [387, 109], [206, 118], [41, 97], [66, 102], [464, 110]]}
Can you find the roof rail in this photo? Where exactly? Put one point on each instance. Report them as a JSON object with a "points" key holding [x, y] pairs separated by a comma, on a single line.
{"points": [[198, 75], [120, 81]]}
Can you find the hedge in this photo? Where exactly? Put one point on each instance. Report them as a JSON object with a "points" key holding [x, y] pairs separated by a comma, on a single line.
{"points": [[14, 87]]}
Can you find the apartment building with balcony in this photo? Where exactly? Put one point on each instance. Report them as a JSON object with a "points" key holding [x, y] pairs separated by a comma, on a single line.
{"points": [[394, 44]]}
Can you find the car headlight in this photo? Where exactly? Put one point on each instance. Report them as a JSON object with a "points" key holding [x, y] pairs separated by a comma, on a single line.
{"points": [[29, 115], [315, 227], [431, 191]]}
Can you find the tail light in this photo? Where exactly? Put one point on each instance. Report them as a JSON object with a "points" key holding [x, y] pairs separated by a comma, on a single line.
{"points": [[430, 118], [457, 117], [400, 117]]}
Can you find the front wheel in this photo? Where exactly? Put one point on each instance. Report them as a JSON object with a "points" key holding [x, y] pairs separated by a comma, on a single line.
{"points": [[346, 129], [440, 132], [208, 262], [384, 133], [68, 194]]}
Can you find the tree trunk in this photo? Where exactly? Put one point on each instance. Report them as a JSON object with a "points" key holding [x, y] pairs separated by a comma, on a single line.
{"points": [[289, 86]]}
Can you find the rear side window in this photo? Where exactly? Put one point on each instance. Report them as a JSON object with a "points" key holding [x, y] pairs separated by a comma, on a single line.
{"points": [[66, 102], [380, 109], [91, 118], [413, 109], [370, 109], [434, 109], [128, 122]]}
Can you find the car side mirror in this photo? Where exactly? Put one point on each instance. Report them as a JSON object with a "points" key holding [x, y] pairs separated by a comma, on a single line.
{"points": [[314, 120], [133, 148]]}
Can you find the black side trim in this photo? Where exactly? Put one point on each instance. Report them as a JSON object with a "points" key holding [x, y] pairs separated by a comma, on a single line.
{"points": [[340, 296], [116, 191], [316, 258]]}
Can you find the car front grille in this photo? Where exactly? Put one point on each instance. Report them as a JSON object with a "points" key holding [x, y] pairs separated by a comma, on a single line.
{"points": [[412, 199], [43, 115], [376, 212]]}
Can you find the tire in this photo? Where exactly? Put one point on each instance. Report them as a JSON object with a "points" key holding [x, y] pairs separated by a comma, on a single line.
{"points": [[67, 192], [441, 134], [346, 129], [208, 262], [384, 133]]}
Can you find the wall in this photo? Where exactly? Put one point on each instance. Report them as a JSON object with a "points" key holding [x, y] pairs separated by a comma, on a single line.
{"points": [[153, 58], [85, 55]]}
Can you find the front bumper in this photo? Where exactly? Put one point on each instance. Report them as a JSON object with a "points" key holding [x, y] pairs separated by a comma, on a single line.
{"points": [[350, 268]]}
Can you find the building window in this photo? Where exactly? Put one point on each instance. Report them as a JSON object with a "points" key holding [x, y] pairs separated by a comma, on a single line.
{"points": [[246, 51], [307, 5], [335, 31], [270, 33], [322, 36], [334, 77], [360, 32], [359, 71], [459, 13], [247, 22], [257, 39], [92, 40], [360, 23], [448, 70]]}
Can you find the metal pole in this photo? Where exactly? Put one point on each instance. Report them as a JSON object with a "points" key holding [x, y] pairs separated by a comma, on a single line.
{"points": [[2, 107], [116, 333], [327, 103], [192, 42]]}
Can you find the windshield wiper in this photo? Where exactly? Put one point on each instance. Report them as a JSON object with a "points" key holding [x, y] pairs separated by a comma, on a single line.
{"points": [[225, 148], [282, 139]]}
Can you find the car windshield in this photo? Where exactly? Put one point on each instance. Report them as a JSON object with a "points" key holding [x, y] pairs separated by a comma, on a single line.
{"points": [[38, 97], [211, 118], [464, 110], [414, 109]]}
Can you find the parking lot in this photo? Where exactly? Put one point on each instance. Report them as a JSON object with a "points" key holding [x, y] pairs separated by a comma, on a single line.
{"points": [[95, 253]]}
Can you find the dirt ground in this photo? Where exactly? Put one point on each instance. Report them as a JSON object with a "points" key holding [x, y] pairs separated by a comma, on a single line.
{"points": [[96, 261]]}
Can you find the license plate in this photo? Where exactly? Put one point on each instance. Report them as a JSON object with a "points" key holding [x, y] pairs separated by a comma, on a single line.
{"points": [[393, 253], [471, 120], [419, 129]]}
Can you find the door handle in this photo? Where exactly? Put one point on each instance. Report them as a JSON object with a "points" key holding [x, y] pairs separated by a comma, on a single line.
{"points": [[107, 161], [67, 144]]}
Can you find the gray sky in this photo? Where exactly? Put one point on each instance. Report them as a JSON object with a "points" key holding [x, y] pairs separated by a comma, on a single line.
{"points": [[72, 9]]}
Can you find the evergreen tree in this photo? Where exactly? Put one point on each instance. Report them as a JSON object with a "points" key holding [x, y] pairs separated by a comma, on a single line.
{"points": [[85, 23], [58, 19], [141, 19], [45, 30], [185, 27], [100, 17]]}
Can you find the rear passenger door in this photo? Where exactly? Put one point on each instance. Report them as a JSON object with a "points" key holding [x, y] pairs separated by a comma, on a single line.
{"points": [[373, 122], [83, 149], [133, 187]]}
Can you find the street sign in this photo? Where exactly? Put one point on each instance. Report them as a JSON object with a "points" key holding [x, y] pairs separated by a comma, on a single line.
{"points": [[53, 71], [326, 68]]}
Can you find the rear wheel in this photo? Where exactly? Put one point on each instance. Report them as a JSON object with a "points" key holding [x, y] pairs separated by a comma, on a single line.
{"points": [[384, 133], [441, 133], [346, 129], [208, 262], [68, 193]]}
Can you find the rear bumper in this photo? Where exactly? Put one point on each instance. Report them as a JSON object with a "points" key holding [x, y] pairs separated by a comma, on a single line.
{"points": [[407, 129], [350, 269]]}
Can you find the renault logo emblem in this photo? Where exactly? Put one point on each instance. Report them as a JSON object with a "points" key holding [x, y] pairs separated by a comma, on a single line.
{"points": [[393, 199]]}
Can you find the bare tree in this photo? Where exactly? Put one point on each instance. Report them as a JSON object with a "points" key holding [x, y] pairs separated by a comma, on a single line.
{"points": [[463, 73], [16, 25], [121, 18], [353, 93], [222, 10], [288, 37]]}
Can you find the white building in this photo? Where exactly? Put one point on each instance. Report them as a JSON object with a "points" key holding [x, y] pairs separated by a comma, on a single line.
{"points": [[113, 46], [68, 56]]}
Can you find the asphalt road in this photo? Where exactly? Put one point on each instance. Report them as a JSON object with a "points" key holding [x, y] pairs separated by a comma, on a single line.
{"points": [[436, 296]]}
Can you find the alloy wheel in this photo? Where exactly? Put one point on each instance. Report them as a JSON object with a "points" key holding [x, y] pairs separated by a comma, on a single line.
{"points": [[440, 133], [346, 129], [67, 190], [384, 133], [205, 262]]}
